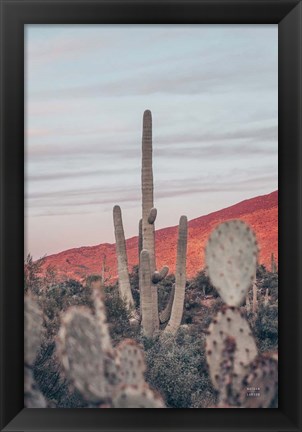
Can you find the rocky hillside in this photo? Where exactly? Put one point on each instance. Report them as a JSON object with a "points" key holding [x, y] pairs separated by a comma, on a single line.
{"points": [[260, 212]]}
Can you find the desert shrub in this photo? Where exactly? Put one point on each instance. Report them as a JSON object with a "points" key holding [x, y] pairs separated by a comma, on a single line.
{"points": [[118, 316], [197, 313], [134, 283], [50, 379], [202, 284], [32, 279], [54, 300], [164, 288], [265, 327], [176, 367], [269, 281]]}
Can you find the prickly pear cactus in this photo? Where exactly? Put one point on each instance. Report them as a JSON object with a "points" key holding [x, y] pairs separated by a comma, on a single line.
{"points": [[260, 384], [33, 398], [231, 257], [33, 325], [131, 359], [104, 376], [33, 329], [137, 397], [79, 346], [229, 323]]}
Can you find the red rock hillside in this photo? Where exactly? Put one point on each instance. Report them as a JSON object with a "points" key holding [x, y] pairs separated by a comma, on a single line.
{"points": [[260, 212]]}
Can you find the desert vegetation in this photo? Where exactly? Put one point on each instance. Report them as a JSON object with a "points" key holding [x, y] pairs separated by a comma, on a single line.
{"points": [[152, 339]]}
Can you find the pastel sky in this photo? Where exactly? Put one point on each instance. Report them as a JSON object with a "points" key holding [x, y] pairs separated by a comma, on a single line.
{"points": [[212, 90]]}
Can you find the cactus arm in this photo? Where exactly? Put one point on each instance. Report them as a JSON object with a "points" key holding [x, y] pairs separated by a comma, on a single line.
{"points": [[165, 314], [96, 284], [158, 276], [146, 293], [180, 277], [122, 261], [152, 216]]}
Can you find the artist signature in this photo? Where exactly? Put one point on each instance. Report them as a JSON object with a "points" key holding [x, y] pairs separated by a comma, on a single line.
{"points": [[253, 391]]}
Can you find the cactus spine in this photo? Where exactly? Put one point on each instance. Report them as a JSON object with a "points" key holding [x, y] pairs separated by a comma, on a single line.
{"points": [[122, 261]]}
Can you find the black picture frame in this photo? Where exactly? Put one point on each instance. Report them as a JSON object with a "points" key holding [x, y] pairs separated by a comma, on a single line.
{"points": [[14, 14]]}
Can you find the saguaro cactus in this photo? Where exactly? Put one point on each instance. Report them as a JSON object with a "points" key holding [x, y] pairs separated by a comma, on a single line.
{"points": [[122, 261], [273, 264], [180, 277], [149, 276]]}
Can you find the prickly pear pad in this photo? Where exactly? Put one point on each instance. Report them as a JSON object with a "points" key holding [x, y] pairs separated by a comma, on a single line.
{"points": [[131, 359], [231, 257], [33, 324], [80, 350], [229, 323], [137, 397], [259, 386]]}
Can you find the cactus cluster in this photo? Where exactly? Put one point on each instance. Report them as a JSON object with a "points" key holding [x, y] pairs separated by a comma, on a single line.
{"points": [[242, 377], [106, 376], [149, 276]]}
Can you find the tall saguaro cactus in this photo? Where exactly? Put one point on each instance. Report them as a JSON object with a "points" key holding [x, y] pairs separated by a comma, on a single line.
{"points": [[149, 212], [149, 276]]}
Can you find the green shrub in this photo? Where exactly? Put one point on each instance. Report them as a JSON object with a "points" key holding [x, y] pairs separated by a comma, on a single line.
{"points": [[265, 328], [201, 283], [118, 316], [176, 367]]}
